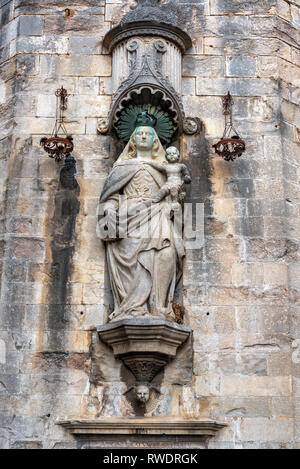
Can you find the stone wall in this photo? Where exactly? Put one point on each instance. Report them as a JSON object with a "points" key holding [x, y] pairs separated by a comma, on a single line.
{"points": [[241, 289]]}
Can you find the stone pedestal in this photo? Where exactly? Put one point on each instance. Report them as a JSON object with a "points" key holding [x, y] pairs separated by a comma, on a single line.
{"points": [[145, 346]]}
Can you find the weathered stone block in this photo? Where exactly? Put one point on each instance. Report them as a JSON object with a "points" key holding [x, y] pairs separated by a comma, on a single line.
{"points": [[27, 248], [274, 227], [89, 106], [245, 364], [9, 32], [225, 26], [57, 341], [91, 125], [188, 86], [44, 125], [242, 407], [275, 274], [114, 12], [249, 226], [88, 85], [247, 274], [26, 445], [288, 32], [246, 296], [237, 6], [215, 226], [31, 25], [15, 271], [237, 86], [10, 386], [204, 107], [282, 406], [46, 106], [241, 66], [213, 127], [85, 45], [76, 65], [277, 430], [267, 24], [194, 66], [243, 46], [279, 364], [255, 386], [208, 385], [267, 66], [222, 250], [283, 9], [45, 44], [289, 72], [82, 22], [220, 320], [7, 12], [12, 318], [238, 188]]}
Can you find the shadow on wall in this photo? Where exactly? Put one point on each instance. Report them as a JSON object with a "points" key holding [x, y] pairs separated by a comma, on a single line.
{"points": [[62, 233]]}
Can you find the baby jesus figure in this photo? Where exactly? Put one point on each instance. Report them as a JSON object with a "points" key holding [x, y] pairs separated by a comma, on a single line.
{"points": [[177, 175]]}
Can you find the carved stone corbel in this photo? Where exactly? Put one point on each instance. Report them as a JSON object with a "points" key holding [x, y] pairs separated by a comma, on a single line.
{"points": [[144, 346]]}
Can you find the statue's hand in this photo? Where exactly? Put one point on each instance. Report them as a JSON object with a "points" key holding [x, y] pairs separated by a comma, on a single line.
{"points": [[187, 179]]}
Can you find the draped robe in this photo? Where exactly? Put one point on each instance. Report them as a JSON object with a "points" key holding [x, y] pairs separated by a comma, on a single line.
{"points": [[145, 264]]}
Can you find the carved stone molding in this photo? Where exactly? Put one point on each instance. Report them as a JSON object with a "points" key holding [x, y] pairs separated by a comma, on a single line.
{"points": [[141, 335], [147, 28], [191, 125], [143, 426]]}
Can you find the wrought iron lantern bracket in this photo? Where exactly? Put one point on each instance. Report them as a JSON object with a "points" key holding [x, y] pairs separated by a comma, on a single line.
{"points": [[59, 147], [231, 145]]}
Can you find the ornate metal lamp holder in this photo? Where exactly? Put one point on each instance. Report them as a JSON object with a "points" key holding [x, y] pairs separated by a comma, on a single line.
{"points": [[231, 145], [59, 147]]}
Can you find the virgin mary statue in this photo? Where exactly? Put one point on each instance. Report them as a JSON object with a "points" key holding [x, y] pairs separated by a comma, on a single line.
{"points": [[145, 251]]}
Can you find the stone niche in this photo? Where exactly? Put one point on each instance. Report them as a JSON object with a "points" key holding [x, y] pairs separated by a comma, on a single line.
{"points": [[146, 48]]}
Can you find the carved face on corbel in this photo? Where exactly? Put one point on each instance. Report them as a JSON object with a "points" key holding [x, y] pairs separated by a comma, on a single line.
{"points": [[142, 393]]}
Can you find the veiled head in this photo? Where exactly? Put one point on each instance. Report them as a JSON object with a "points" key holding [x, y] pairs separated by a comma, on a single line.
{"points": [[143, 138]]}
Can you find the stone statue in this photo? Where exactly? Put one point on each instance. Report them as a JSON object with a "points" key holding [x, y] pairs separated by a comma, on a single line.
{"points": [[144, 259], [177, 175]]}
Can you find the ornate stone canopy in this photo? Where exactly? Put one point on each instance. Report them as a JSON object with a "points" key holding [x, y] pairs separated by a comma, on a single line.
{"points": [[147, 47]]}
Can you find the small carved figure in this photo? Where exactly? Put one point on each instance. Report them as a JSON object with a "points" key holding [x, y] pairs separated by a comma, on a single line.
{"points": [[142, 393], [191, 125], [177, 174], [142, 399], [102, 127]]}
